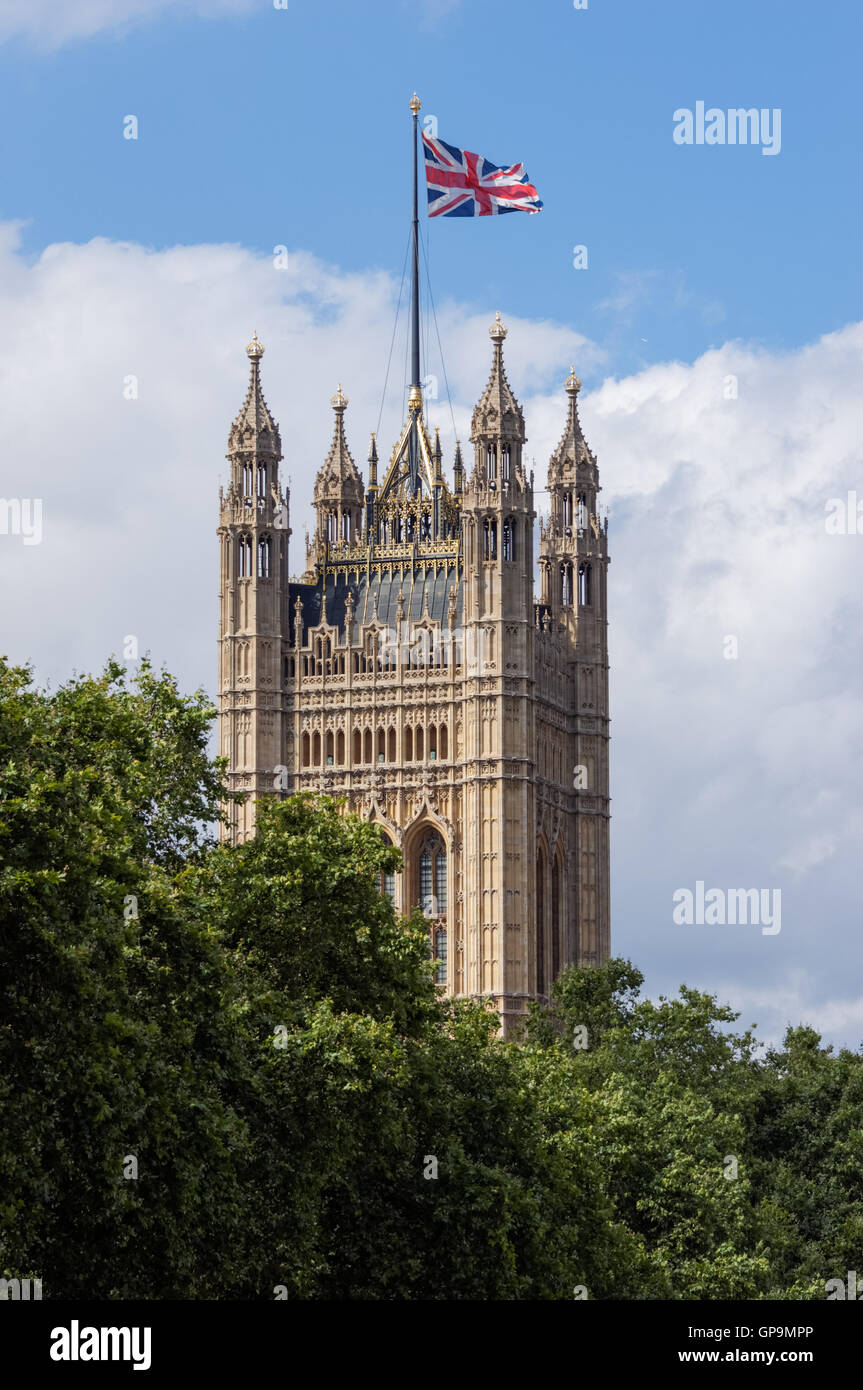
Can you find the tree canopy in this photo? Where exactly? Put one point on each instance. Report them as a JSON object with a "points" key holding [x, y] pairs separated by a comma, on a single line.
{"points": [[226, 1072]]}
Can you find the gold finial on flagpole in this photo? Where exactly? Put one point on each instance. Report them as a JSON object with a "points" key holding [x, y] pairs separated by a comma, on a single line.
{"points": [[415, 103]]}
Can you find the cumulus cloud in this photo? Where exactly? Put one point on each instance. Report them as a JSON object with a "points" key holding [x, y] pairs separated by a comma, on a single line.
{"points": [[740, 771], [50, 25]]}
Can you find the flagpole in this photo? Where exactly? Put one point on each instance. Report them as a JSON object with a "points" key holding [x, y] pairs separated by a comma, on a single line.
{"points": [[415, 395]]}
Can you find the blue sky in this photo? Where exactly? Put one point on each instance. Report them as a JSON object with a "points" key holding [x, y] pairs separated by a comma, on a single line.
{"points": [[706, 265], [266, 127]]}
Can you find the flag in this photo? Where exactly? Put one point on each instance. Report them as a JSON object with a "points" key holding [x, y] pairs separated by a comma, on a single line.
{"points": [[461, 184]]}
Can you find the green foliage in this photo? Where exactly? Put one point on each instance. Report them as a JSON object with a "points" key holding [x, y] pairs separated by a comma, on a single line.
{"points": [[260, 1032]]}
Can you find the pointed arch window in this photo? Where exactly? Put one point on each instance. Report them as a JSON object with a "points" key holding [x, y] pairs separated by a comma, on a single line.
{"points": [[505, 459], [244, 557], [582, 511], [264, 553], [584, 586], [509, 538], [431, 871], [566, 584], [247, 482], [491, 463], [489, 528], [262, 480]]}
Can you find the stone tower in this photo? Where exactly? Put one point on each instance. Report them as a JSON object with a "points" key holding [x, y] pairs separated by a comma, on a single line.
{"points": [[412, 672], [253, 602]]}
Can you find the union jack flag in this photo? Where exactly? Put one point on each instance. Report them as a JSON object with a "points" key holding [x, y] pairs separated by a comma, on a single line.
{"points": [[461, 184]]}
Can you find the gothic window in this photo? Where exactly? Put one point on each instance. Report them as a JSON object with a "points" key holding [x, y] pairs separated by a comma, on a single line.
{"points": [[247, 481], [331, 756], [582, 511], [491, 463], [509, 538], [358, 747], [262, 480], [316, 750], [584, 586], [431, 864], [566, 508], [504, 464], [540, 923], [418, 742], [367, 746], [391, 745], [426, 527], [409, 745], [489, 539], [264, 557], [244, 557], [444, 741], [565, 584], [340, 748], [306, 751], [382, 746], [432, 744]]}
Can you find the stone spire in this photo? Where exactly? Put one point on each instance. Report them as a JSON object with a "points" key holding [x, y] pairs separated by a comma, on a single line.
{"points": [[497, 412], [338, 479], [573, 452], [254, 430]]}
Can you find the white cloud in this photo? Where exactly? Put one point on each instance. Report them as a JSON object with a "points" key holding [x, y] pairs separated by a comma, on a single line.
{"points": [[50, 24], [740, 773]]}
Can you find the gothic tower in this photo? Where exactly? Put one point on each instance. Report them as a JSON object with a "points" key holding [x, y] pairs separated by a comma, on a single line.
{"points": [[412, 673], [253, 595], [573, 560], [497, 522]]}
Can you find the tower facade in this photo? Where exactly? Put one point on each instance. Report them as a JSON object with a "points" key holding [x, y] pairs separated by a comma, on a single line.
{"points": [[413, 671]]}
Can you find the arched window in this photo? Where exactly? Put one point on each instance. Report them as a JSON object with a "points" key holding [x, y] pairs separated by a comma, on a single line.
{"points": [[382, 746], [244, 557], [367, 746], [584, 586], [340, 748], [566, 584], [306, 750], [432, 878], [316, 750], [418, 743], [409, 744], [432, 744], [262, 480], [582, 511], [358, 747], [247, 482], [331, 754], [509, 539], [264, 557], [491, 463], [443, 750], [504, 464], [391, 745]]}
